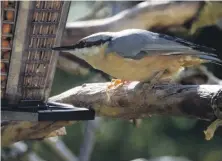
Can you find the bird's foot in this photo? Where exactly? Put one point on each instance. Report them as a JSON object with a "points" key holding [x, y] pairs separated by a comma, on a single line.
{"points": [[152, 84], [117, 83], [167, 81], [153, 80]]}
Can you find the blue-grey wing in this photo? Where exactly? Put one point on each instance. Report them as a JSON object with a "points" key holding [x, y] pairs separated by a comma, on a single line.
{"points": [[141, 43]]}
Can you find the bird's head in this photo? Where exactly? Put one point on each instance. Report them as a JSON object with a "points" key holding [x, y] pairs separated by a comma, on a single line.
{"points": [[88, 46]]}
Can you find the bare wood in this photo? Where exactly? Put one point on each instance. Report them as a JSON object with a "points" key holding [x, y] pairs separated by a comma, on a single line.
{"points": [[14, 131], [144, 16], [125, 102]]}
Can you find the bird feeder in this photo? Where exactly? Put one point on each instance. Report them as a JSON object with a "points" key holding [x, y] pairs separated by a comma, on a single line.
{"points": [[29, 30]]}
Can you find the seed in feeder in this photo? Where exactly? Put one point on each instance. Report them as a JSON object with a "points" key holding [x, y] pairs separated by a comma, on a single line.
{"points": [[5, 43], [3, 68], [10, 15], [6, 54], [6, 28], [3, 78]]}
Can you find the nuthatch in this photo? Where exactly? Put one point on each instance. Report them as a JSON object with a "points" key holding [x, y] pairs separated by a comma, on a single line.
{"points": [[139, 55]]}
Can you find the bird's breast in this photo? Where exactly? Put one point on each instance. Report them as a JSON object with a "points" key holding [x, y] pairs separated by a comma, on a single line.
{"points": [[134, 70]]}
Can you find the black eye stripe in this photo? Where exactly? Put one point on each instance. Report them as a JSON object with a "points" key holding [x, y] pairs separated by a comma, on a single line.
{"points": [[83, 44]]}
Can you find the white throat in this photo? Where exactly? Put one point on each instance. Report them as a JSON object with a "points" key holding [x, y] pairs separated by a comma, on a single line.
{"points": [[85, 53]]}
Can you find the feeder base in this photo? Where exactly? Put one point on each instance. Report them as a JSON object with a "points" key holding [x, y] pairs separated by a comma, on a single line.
{"points": [[40, 111]]}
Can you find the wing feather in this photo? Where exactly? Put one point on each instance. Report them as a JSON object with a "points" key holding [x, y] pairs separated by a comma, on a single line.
{"points": [[136, 44]]}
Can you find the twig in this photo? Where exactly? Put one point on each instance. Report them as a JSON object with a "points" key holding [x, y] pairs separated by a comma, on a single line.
{"points": [[20, 151], [88, 142], [60, 148]]}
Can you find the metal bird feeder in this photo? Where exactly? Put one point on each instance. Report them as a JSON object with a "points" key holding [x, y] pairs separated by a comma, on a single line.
{"points": [[29, 30]]}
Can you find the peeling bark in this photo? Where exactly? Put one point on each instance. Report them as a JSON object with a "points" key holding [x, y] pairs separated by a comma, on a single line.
{"points": [[123, 102], [126, 102]]}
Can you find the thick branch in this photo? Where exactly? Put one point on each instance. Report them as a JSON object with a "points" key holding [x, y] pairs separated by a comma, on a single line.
{"points": [[144, 16], [126, 102], [123, 102]]}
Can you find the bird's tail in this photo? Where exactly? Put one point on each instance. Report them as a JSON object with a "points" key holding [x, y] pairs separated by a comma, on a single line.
{"points": [[204, 53], [211, 59], [193, 57]]}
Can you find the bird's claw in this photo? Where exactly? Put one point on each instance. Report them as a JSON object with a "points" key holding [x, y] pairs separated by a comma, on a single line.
{"points": [[116, 83]]}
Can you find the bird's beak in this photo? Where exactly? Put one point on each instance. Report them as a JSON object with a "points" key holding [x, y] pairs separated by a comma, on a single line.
{"points": [[57, 48], [62, 48]]}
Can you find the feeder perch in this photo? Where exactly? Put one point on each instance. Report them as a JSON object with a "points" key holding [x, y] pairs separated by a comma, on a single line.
{"points": [[29, 30]]}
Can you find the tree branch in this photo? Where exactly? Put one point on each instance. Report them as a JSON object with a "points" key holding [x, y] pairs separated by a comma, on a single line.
{"points": [[21, 147], [61, 149], [126, 102], [86, 147], [13, 131], [144, 16]]}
